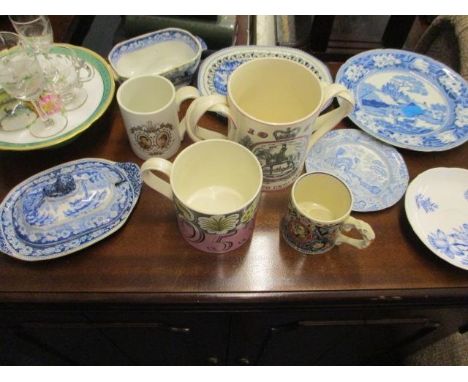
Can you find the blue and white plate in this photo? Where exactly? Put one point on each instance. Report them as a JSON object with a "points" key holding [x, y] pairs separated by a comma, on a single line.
{"points": [[215, 70], [67, 208], [407, 100], [436, 204], [375, 172]]}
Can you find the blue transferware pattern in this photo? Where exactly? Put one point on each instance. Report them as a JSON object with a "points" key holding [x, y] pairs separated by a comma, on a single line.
{"points": [[375, 172], [215, 70], [178, 75], [436, 208], [425, 203], [407, 100], [453, 243], [68, 207]]}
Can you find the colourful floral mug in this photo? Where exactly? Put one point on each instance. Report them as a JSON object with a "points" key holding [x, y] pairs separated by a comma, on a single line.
{"points": [[216, 186], [273, 108], [319, 210]]}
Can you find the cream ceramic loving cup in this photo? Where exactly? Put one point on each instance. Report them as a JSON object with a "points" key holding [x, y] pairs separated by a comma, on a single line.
{"points": [[149, 105], [319, 210], [273, 106], [215, 186]]}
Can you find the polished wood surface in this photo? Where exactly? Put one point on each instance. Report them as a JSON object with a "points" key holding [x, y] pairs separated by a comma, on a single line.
{"points": [[148, 261]]}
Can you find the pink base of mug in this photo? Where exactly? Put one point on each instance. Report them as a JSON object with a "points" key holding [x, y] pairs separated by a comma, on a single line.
{"points": [[214, 243]]}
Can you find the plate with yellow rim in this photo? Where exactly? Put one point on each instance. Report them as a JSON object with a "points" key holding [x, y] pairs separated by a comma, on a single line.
{"points": [[100, 89]]}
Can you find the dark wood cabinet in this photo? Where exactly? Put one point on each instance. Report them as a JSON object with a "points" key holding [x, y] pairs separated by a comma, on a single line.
{"points": [[130, 335], [119, 337]]}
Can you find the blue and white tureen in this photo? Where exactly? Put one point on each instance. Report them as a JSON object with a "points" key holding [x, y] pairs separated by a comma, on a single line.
{"points": [[67, 208]]}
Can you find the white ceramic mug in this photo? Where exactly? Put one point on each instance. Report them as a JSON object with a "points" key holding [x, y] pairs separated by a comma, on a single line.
{"points": [[216, 186], [319, 210], [273, 106], [149, 105]]}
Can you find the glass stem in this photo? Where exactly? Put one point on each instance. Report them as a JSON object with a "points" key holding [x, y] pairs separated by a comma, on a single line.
{"points": [[42, 115]]}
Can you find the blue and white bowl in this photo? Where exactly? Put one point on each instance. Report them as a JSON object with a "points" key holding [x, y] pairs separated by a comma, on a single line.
{"points": [[173, 53]]}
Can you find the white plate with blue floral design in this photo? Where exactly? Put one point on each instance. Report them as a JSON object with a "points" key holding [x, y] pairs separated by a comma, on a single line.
{"points": [[407, 99], [375, 172], [436, 204], [215, 70], [67, 208]]}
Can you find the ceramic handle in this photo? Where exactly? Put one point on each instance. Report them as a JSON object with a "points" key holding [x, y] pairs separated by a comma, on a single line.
{"points": [[153, 181], [64, 184], [202, 42], [328, 121], [364, 229], [183, 94], [200, 106]]}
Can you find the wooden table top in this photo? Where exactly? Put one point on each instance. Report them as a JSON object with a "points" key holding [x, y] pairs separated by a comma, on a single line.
{"points": [[148, 261]]}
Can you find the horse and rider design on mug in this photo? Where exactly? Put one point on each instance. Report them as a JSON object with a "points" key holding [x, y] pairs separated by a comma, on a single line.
{"points": [[281, 157]]}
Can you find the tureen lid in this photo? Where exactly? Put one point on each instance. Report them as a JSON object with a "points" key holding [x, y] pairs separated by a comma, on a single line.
{"points": [[67, 207]]}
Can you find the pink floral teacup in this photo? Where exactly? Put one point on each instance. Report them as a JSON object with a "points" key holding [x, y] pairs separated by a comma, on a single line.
{"points": [[216, 186]]}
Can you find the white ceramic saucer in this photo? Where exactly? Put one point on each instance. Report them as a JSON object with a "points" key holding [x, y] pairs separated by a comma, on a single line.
{"points": [[436, 204]]}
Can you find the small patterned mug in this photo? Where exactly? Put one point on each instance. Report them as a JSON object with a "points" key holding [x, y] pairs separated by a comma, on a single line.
{"points": [[319, 210], [216, 186], [149, 105]]}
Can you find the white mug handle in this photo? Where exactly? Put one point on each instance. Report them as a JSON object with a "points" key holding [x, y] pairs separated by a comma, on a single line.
{"points": [[182, 94], [200, 106], [328, 121], [153, 181], [364, 229]]}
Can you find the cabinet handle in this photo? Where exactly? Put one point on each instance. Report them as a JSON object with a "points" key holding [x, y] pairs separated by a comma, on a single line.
{"points": [[387, 321], [244, 361], [99, 325], [213, 360]]}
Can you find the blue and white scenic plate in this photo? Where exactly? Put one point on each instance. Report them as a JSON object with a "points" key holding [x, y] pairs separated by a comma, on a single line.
{"points": [[436, 204], [407, 99], [375, 172], [215, 70], [67, 208]]}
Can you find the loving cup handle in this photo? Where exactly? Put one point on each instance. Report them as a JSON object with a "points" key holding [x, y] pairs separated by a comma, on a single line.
{"points": [[182, 94], [200, 106], [329, 120], [153, 181], [364, 229]]}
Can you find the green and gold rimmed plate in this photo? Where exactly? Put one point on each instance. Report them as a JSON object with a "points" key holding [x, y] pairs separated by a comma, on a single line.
{"points": [[100, 89]]}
